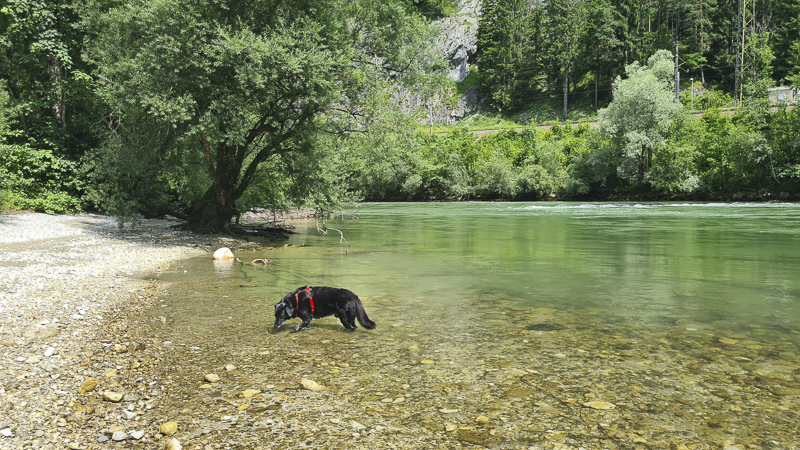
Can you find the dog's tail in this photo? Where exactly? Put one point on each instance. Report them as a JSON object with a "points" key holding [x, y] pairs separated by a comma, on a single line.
{"points": [[361, 314]]}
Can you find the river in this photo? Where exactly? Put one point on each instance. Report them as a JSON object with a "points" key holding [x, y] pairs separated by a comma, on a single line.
{"points": [[507, 325]]}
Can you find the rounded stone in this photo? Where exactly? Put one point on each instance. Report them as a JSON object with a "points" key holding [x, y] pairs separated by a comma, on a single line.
{"points": [[172, 444], [223, 253], [169, 428]]}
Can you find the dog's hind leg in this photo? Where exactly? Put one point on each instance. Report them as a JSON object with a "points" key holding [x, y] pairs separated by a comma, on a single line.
{"points": [[347, 318], [351, 320]]}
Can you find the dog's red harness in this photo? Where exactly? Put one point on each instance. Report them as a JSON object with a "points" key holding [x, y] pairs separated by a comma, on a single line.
{"points": [[310, 299]]}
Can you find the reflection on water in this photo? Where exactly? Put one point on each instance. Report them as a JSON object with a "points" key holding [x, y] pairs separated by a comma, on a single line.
{"points": [[510, 325]]}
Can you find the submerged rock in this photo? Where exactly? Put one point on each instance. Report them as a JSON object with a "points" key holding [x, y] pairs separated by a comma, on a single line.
{"points": [[119, 436], [478, 438], [247, 393], [113, 397], [137, 434], [599, 405], [311, 385], [212, 378]]}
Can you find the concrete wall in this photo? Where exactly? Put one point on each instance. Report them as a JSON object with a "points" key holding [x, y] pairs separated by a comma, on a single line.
{"points": [[787, 95]]}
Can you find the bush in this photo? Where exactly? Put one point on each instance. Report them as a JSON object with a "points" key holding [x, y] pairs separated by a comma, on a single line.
{"points": [[39, 180]]}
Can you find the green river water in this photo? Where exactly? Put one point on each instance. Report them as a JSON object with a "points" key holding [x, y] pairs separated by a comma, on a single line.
{"points": [[501, 325]]}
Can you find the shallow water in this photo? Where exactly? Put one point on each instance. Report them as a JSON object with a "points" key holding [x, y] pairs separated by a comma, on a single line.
{"points": [[504, 325]]}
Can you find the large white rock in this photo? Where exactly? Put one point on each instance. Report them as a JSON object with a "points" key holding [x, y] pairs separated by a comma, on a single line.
{"points": [[223, 253]]}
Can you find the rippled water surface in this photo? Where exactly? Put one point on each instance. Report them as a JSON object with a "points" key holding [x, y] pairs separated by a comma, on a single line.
{"points": [[518, 325]]}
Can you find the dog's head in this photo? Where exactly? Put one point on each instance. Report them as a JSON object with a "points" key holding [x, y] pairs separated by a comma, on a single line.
{"points": [[284, 310]]}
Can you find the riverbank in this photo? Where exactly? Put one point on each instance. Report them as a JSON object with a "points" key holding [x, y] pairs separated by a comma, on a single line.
{"points": [[644, 327], [67, 285]]}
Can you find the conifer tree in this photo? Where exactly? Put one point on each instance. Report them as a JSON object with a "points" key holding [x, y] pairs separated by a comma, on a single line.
{"points": [[509, 53], [566, 24]]}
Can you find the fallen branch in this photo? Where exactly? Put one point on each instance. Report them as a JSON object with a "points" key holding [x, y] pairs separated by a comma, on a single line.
{"points": [[325, 233]]}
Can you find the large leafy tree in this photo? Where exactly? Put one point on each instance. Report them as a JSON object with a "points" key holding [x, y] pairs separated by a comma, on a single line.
{"points": [[639, 117], [239, 90]]}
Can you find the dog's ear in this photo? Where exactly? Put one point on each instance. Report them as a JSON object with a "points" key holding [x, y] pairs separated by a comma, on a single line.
{"points": [[286, 308]]}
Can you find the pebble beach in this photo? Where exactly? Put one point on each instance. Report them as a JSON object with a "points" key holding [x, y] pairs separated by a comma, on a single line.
{"points": [[67, 285]]}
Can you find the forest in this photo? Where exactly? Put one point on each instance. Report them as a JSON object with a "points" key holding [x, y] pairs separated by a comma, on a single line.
{"points": [[205, 109], [734, 47]]}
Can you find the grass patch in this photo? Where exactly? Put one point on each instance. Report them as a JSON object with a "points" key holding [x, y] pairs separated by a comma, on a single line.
{"points": [[472, 80]]}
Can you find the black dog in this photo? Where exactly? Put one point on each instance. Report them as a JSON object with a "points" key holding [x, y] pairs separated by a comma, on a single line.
{"points": [[321, 301]]}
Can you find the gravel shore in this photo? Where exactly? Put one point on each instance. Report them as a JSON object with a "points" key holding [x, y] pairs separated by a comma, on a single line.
{"points": [[63, 280]]}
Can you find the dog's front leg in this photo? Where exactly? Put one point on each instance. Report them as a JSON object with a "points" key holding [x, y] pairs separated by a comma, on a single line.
{"points": [[304, 325]]}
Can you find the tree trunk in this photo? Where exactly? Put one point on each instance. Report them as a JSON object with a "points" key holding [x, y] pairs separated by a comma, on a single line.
{"points": [[214, 212], [566, 91]]}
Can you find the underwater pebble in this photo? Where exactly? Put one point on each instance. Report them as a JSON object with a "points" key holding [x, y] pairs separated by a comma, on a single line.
{"points": [[137, 434], [599, 405], [247, 393], [311, 385]]}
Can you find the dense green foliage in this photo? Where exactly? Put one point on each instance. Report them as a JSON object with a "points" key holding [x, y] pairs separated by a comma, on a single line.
{"points": [[206, 108], [46, 106], [717, 156]]}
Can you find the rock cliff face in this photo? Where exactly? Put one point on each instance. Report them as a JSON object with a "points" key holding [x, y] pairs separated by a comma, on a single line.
{"points": [[459, 39], [458, 42]]}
